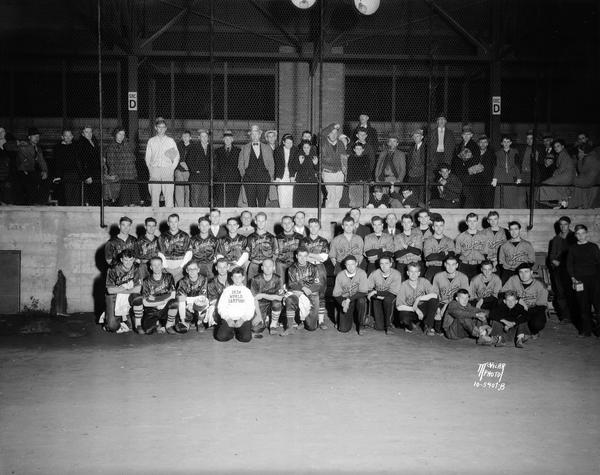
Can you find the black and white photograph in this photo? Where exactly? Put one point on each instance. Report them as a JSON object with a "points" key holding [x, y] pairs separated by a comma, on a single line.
{"points": [[299, 237]]}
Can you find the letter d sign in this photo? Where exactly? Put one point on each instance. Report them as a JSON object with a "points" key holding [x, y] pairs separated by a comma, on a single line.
{"points": [[496, 108], [132, 101]]}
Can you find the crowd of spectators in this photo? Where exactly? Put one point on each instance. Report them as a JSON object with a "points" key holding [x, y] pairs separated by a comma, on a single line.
{"points": [[354, 172]]}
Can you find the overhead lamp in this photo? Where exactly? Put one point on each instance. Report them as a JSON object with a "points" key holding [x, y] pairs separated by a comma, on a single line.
{"points": [[366, 7], [304, 4]]}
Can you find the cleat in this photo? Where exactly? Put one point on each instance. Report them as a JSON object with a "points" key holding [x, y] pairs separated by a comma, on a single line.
{"points": [[499, 341], [139, 330], [181, 327], [287, 332], [323, 326], [171, 330]]}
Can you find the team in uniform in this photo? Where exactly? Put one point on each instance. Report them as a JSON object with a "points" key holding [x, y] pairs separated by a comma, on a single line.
{"points": [[480, 285]]}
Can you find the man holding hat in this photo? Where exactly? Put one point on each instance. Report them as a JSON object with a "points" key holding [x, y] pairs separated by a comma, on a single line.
{"points": [[226, 171], [256, 165], [32, 171], [467, 135]]}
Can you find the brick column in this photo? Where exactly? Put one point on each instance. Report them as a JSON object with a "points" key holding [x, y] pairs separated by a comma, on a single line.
{"points": [[294, 94]]}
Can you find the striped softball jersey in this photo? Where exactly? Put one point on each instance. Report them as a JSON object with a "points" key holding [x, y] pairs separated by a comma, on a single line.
{"points": [[118, 275], [158, 288], [204, 250], [174, 246], [273, 286], [187, 287], [116, 245], [303, 276], [261, 246], [318, 245], [232, 248], [145, 248], [286, 246]]}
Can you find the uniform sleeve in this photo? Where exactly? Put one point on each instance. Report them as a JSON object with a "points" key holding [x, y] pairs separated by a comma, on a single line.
{"points": [[337, 288], [110, 278], [530, 252], [401, 296], [146, 292], [363, 284], [436, 283], [427, 286], [502, 255], [371, 281]]}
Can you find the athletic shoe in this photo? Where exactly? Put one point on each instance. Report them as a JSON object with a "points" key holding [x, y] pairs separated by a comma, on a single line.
{"points": [[430, 332], [323, 326], [485, 340], [409, 329], [519, 342], [123, 328], [161, 330], [288, 331], [171, 330], [139, 330], [181, 327], [151, 330], [257, 335], [499, 341], [390, 331]]}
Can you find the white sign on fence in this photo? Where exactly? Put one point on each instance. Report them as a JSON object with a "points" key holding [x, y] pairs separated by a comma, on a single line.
{"points": [[132, 101]]}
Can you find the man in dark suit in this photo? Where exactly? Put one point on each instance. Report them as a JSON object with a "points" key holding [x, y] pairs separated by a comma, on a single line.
{"points": [[199, 165], [415, 164], [256, 165], [441, 146], [226, 171]]}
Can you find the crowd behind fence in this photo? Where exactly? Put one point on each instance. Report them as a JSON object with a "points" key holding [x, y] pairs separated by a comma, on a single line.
{"points": [[329, 168]]}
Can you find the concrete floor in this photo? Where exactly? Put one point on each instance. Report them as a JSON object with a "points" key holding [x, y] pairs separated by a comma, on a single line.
{"points": [[313, 402]]}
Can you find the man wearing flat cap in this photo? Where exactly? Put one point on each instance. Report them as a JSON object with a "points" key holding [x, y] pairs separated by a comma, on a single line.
{"points": [[391, 165], [32, 171], [226, 171], [256, 166]]}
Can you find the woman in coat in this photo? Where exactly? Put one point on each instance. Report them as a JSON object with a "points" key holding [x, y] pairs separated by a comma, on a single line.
{"points": [[306, 167]]}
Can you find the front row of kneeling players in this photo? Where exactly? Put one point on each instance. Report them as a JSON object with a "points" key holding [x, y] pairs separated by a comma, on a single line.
{"points": [[450, 305]]}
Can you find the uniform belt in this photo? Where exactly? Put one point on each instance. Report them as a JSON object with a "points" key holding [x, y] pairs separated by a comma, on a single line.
{"points": [[471, 263], [257, 262]]}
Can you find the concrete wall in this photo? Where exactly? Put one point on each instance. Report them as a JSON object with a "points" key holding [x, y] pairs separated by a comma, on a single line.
{"points": [[71, 239]]}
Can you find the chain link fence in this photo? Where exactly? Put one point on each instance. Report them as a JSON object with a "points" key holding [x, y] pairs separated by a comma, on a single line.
{"points": [[404, 67]]}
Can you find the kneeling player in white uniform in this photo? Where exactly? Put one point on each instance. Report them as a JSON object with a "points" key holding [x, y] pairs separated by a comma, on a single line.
{"points": [[236, 309]]}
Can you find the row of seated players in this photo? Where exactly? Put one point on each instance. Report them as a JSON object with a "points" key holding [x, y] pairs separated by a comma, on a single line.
{"points": [[302, 291]]}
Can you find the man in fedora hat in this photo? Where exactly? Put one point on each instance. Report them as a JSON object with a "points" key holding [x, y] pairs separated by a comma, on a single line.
{"points": [[32, 171], [226, 171], [256, 166]]}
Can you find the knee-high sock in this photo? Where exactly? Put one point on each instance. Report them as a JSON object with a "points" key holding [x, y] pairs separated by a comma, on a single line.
{"points": [[275, 316], [171, 315], [138, 312]]}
